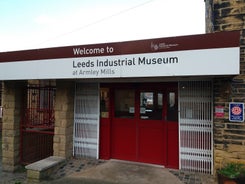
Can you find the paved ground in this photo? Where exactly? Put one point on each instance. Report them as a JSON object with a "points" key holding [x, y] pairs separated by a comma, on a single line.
{"points": [[110, 172], [122, 173], [114, 171], [85, 171]]}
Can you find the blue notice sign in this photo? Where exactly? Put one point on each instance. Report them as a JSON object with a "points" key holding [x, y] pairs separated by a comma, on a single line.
{"points": [[236, 111]]}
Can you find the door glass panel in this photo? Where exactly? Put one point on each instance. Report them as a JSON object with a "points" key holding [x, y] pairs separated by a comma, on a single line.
{"points": [[104, 103], [172, 108], [124, 103], [151, 105]]}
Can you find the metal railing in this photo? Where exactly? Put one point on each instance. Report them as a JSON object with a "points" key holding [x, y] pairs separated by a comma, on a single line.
{"points": [[86, 121], [37, 123], [195, 126]]}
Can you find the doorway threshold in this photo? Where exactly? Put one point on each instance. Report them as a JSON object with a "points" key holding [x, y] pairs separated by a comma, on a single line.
{"points": [[137, 163]]}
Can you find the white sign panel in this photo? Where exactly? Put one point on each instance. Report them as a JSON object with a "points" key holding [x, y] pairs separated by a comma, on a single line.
{"points": [[217, 61]]}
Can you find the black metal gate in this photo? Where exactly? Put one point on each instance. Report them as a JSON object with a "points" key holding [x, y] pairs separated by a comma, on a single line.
{"points": [[37, 124]]}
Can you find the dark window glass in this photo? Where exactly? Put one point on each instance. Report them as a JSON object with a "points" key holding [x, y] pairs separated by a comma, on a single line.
{"points": [[104, 102], [124, 103], [172, 108], [151, 105]]}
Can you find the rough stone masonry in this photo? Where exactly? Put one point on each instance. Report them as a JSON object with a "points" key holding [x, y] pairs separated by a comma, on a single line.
{"points": [[229, 137]]}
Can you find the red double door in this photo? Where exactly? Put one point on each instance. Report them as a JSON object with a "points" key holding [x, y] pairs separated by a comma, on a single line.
{"points": [[139, 122]]}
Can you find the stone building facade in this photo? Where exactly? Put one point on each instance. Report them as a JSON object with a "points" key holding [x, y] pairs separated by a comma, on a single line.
{"points": [[229, 137], [1, 106], [12, 95], [64, 115]]}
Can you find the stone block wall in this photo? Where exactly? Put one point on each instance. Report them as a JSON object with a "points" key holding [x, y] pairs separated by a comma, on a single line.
{"points": [[1, 105], [209, 16], [229, 137], [64, 118], [12, 99]]}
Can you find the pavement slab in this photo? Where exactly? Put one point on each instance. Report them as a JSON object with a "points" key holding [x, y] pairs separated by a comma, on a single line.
{"points": [[93, 171], [115, 172]]}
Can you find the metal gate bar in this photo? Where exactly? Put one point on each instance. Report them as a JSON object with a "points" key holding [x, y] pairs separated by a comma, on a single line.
{"points": [[36, 146], [37, 124], [86, 121], [195, 126], [40, 107]]}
